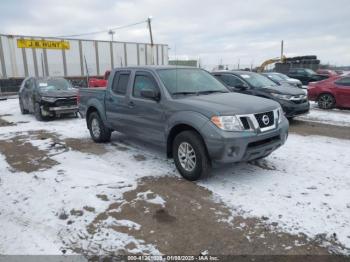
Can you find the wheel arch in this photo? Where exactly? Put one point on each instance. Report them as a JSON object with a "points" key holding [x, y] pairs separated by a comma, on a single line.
{"points": [[325, 93], [177, 129]]}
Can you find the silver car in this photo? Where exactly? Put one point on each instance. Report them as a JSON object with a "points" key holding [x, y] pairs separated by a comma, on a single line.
{"points": [[280, 79]]}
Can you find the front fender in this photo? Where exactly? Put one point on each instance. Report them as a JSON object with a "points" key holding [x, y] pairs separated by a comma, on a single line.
{"points": [[190, 118]]}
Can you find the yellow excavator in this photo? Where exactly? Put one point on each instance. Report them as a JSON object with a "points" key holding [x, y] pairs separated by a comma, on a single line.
{"points": [[261, 68]]}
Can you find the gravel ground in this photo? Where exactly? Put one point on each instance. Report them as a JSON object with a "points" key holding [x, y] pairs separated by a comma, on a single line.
{"points": [[62, 193]]}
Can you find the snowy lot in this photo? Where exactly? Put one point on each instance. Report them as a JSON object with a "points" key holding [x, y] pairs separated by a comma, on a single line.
{"points": [[335, 117], [59, 192]]}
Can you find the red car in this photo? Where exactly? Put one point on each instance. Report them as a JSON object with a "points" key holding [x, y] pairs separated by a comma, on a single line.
{"points": [[327, 72], [331, 92], [97, 82]]}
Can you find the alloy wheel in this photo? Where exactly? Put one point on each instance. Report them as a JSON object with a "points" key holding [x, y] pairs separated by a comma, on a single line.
{"points": [[187, 156]]}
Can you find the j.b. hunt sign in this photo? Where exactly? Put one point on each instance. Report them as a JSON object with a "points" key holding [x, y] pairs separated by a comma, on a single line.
{"points": [[43, 44]]}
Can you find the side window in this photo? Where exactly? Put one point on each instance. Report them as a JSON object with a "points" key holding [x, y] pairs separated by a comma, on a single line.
{"points": [[345, 81], [29, 83], [231, 80], [143, 82], [120, 83], [302, 72]]}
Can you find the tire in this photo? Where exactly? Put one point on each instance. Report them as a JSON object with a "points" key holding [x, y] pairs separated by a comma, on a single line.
{"points": [[98, 131], [326, 101], [191, 141], [37, 112], [23, 111]]}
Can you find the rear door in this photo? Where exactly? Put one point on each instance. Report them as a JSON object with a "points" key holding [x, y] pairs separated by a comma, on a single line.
{"points": [[145, 116], [116, 100], [343, 91]]}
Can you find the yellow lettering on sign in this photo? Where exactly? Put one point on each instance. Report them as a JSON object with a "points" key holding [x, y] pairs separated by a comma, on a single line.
{"points": [[29, 43]]}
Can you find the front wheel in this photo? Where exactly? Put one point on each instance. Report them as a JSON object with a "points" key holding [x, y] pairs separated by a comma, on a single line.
{"points": [[37, 112], [326, 101], [98, 131], [190, 156]]}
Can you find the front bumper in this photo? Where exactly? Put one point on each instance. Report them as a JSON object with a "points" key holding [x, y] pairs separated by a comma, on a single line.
{"points": [[292, 109], [59, 110], [230, 147]]}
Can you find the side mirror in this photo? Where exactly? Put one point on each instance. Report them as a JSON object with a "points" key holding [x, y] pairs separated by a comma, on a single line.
{"points": [[150, 94], [241, 86]]}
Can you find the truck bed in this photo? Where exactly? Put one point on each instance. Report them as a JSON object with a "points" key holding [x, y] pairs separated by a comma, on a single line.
{"points": [[88, 96]]}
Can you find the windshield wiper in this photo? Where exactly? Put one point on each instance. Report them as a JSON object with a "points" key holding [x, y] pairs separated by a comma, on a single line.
{"points": [[211, 91], [185, 93]]}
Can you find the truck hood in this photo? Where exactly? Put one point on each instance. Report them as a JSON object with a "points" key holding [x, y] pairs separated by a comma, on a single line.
{"points": [[227, 104], [59, 93], [285, 89]]}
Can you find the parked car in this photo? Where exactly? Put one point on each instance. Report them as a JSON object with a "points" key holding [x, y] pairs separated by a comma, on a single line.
{"points": [[47, 97], [293, 100], [330, 93], [97, 82], [186, 111], [281, 79], [339, 72], [305, 75], [327, 72]]}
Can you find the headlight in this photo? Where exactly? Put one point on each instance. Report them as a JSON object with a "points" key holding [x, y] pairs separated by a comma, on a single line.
{"points": [[284, 97], [227, 123], [280, 114], [48, 99]]}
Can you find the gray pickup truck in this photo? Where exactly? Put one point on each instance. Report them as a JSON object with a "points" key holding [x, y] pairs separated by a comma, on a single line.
{"points": [[188, 112]]}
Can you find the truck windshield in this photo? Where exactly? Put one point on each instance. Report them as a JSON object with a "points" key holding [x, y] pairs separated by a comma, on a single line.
{"points": [[256, 80], [187, 81], [54, 84]]}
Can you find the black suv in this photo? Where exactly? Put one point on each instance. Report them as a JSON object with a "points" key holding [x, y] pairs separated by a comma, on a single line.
{"points": [[293, 100], [305, 75], [47, 97]]}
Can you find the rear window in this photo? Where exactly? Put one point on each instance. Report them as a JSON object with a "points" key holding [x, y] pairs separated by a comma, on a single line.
{"points": [[120, 83]]}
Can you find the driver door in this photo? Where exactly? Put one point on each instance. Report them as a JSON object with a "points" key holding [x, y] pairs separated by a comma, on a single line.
{"points": [[145, 116], [27, 95]]}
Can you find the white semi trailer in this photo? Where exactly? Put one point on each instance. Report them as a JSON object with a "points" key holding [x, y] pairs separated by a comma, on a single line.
{"points": [[22, 56]]}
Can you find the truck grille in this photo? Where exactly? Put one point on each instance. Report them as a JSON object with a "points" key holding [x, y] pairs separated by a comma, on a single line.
{"points": [[265, 119], [72, 101]]}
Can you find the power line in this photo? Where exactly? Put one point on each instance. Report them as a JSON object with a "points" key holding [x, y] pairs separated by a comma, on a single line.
{"points": [[104, 31]]}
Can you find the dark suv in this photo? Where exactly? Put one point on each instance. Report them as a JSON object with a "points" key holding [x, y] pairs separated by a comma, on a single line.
{"points": [[305, 75], [293, 100]]}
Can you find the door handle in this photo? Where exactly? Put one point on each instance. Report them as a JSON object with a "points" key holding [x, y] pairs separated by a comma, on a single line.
{"points": [[131, 104]]}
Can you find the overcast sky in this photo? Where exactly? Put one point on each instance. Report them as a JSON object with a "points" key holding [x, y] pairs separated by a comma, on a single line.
{"points": [[248, 31]]}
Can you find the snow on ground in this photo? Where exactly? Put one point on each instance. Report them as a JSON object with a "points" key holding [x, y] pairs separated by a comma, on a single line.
{"points": [[304, 186], [333, 117]]}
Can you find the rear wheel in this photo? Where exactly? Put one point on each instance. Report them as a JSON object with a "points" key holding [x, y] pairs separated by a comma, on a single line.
{"points": [[190, 156], [326, 101], [98, 131], [23, 111]]}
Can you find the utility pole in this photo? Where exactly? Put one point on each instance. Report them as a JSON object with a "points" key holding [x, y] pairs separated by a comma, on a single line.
{"points": [[282, 46], [111, 32], [151, 36]]}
